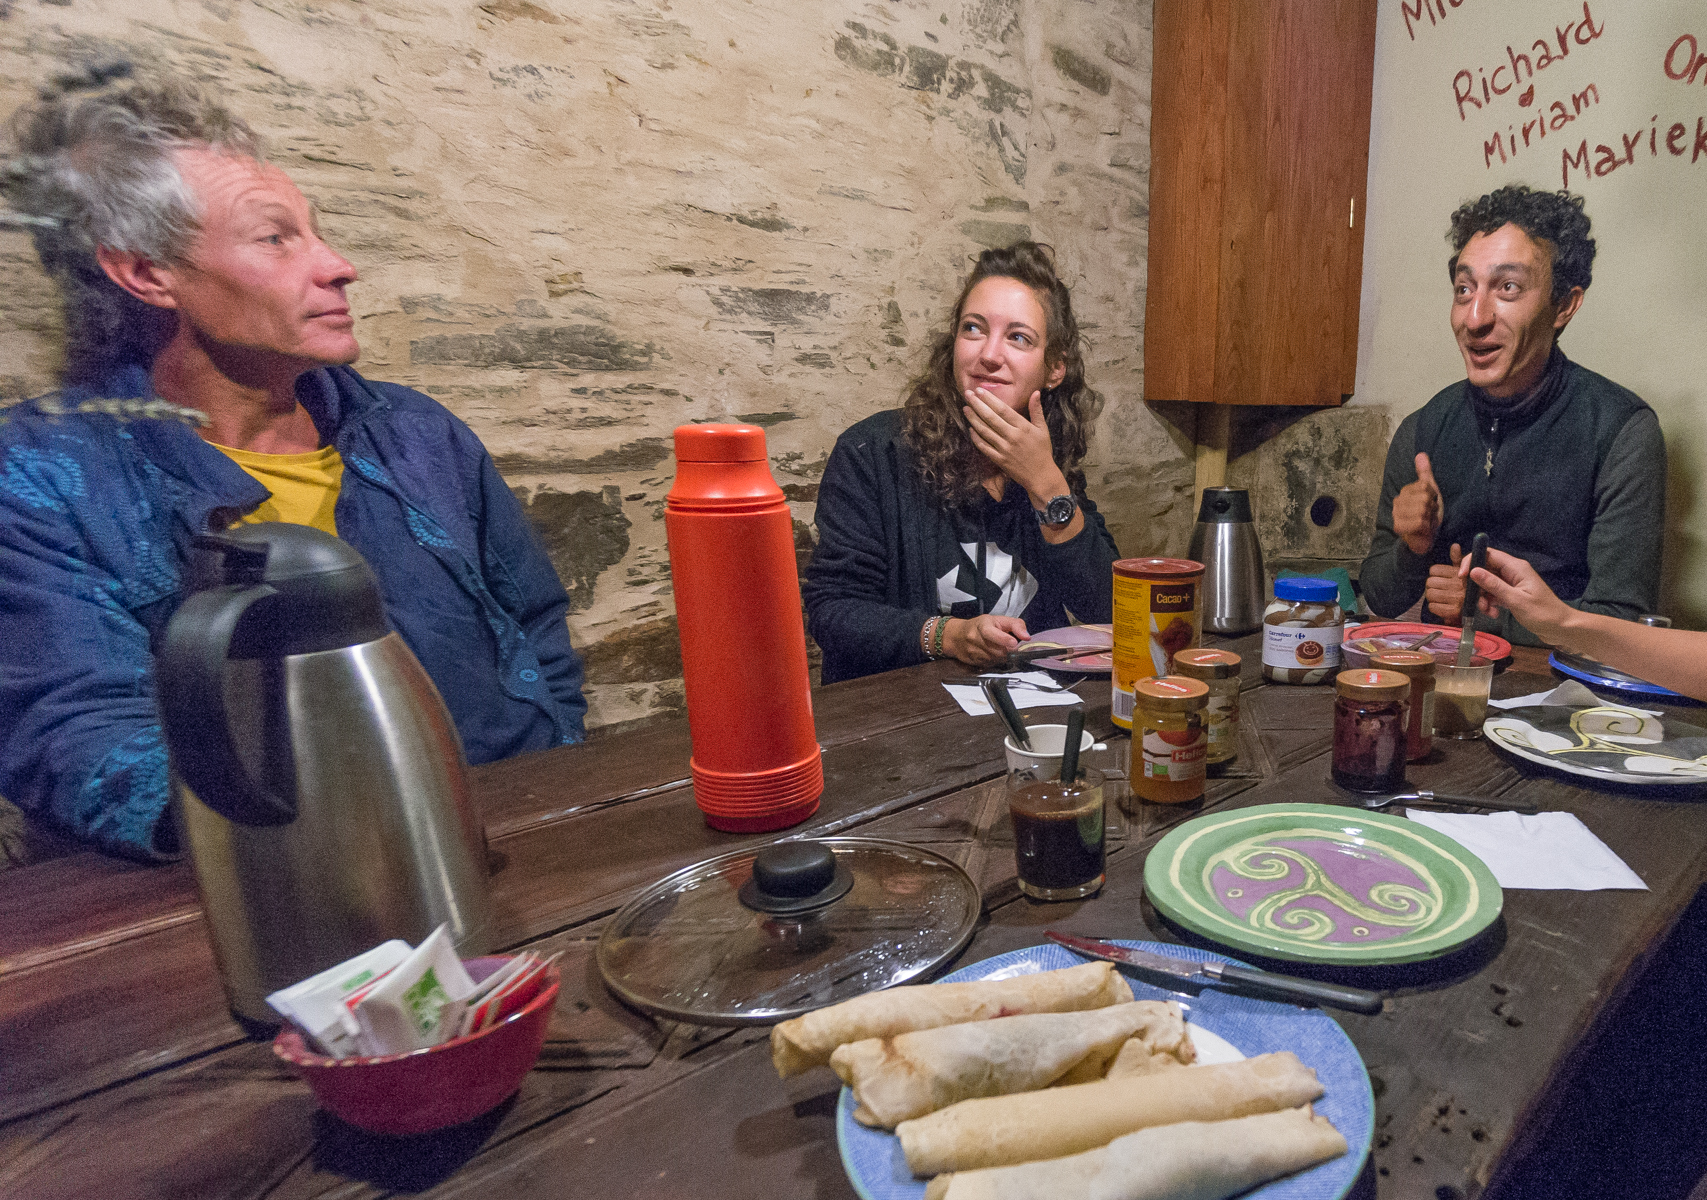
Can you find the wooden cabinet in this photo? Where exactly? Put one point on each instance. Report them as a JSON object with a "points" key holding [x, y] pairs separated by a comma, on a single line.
{"points": [[1259, 151]]}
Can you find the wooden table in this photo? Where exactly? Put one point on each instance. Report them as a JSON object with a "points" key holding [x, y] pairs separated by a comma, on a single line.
{"points": [[121, 1073]]}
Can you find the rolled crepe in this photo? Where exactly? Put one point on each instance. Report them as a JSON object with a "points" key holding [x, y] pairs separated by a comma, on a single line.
{"points": [[1190, 1161], [1135, 1058], [1163, 1044], [898, 1078], [1000, 1130], [807, 1041]]}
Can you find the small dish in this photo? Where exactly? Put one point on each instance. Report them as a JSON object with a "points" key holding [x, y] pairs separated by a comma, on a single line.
{"points": [[435, 1087]]}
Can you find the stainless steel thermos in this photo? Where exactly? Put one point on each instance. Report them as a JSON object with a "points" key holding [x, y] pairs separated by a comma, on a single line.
{"points": [[319, 782], [1225, 542]]}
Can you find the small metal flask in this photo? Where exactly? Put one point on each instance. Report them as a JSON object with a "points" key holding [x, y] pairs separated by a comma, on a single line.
{"points": [[1225, 542]]}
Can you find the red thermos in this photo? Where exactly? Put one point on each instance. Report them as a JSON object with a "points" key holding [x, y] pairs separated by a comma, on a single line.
{"points": [[756, 764]]}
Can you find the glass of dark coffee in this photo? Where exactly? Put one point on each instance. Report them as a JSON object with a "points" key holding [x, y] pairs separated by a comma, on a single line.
{"points": [[1058, 832]]}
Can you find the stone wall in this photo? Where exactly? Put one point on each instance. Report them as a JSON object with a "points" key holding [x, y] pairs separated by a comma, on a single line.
{"points": [[1314, 475], [581, 223]]}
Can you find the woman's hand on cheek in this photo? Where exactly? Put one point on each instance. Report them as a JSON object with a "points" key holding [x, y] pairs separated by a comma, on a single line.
{"points": [[1018, 447], [983, 641]]}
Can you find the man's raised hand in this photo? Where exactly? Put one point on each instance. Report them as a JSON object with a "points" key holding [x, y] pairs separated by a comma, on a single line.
{"points": [[1417, 510]]}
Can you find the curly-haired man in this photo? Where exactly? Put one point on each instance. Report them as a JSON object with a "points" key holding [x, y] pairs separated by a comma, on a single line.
{"points": [[1556, 464], [206, 382]]}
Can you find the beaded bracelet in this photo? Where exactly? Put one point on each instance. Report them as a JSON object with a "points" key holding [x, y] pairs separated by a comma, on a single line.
{"points": [[941, 629], [926, 631]]}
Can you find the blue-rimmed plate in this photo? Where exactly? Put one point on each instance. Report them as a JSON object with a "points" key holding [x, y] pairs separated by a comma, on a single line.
{"points": [[1598, 674], [1224, 1027]]}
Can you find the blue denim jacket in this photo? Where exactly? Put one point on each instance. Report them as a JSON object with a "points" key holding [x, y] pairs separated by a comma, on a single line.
{"points": [[98, 505]]}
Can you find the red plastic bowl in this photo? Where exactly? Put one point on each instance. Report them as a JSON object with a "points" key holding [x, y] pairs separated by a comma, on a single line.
{"points": [[433, 1088], [1405, 634]]}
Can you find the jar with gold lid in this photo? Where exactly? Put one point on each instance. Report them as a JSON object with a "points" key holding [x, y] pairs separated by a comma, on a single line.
{"points": [[1169, 740], [1369, 730], [1218, 670], [1419, 723]]}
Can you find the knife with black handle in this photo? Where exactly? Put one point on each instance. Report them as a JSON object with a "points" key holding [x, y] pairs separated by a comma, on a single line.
{"points": [[1329, 994]]}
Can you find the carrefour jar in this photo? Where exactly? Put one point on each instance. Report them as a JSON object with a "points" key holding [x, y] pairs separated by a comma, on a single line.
{"points": [[1218, 670], [1169, 740], [1302, 630]]}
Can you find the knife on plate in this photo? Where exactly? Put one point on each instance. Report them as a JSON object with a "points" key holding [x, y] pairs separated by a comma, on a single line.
{"points": [[1203, 973], [1065, 654]]}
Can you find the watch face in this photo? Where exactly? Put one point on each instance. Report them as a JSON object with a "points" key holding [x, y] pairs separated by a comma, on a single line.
{"points": [[1060, 510]]}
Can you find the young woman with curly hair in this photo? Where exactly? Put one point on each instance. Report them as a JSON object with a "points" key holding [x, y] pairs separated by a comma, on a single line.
{"points": [[950, 527]]}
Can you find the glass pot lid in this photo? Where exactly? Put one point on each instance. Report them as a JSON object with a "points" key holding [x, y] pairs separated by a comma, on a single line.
{"points": [[811, 929]]}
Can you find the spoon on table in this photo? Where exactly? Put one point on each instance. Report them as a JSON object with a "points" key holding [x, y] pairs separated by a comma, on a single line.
{"points": [[1448, 800]]}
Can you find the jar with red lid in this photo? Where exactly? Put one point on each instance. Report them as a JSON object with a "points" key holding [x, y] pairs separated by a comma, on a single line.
{"points": [[1218, 670], [1157, 613], [1169, 740], [1419, 723]]}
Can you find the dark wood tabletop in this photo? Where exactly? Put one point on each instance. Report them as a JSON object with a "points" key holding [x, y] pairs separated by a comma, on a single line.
{"points": [[121, 1073]]}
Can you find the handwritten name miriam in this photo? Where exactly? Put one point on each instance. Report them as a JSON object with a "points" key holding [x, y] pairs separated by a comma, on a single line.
{"points": [[1519, 68]]}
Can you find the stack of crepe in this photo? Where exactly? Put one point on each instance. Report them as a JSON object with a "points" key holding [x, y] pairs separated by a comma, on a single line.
{"points": [[1059, 1084]]}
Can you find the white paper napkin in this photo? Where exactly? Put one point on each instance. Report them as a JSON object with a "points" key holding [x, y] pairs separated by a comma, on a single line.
{"points": [[970, 697], [1569, 694], [1550, 850]]}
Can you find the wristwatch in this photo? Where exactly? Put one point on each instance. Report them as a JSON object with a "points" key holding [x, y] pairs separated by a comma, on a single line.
{"points": [[1058, 511]]}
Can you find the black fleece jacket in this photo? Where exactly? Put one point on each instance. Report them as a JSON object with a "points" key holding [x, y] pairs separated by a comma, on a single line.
{"points": [[1574, 483], [884, 541]]}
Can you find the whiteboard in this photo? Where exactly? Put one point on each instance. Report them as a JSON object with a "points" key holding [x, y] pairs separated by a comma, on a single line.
{"points": [[1608, 100]]}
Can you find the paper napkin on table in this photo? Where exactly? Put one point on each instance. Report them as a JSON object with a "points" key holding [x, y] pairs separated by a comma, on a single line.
{"points": [[970, 696], [1551, 850], [1569, 694]]}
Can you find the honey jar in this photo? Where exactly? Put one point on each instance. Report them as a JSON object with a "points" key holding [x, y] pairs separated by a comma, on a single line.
{"points": [[1169, 739]]}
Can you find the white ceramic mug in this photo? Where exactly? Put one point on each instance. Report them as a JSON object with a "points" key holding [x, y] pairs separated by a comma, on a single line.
{"points": [[1047, 744]]}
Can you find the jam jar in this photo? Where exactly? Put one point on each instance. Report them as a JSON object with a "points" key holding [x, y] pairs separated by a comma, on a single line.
{"points": [[1168, 739], [1419, 725], [1218, 670], [1369, 730], [1302, 630]]}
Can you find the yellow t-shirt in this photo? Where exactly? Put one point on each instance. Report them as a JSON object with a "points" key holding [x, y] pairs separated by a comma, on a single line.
{"points": [[304, 487]]}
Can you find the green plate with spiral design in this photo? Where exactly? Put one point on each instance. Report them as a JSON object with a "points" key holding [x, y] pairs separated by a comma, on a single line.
{"points": [[1319, 883]]}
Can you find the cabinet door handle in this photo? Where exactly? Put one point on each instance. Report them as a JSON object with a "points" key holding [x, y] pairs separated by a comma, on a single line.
{"points": [[1351, 221]]}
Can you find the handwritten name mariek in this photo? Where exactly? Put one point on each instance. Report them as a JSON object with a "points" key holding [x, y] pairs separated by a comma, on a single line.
{"points": [[1520, 68]]}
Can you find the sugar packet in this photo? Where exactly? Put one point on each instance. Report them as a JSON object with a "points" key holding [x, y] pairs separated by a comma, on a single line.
{"points": [[521, 987], [317, 1006], [401, 1011]]}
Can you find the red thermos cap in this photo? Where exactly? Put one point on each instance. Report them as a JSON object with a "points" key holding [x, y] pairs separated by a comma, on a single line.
{"points": [[720, 443]]}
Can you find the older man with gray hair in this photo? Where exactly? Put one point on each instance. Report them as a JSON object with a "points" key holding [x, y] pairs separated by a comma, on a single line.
{"points": [[207, 382]]}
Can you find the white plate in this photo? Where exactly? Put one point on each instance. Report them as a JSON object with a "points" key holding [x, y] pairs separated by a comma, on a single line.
{"points": [[1608, 742], [1224, 1028]]}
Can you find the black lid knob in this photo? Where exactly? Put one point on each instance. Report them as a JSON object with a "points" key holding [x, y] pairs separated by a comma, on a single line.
{"points": [[793, 877], [1224, 506], [794, 869]]}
